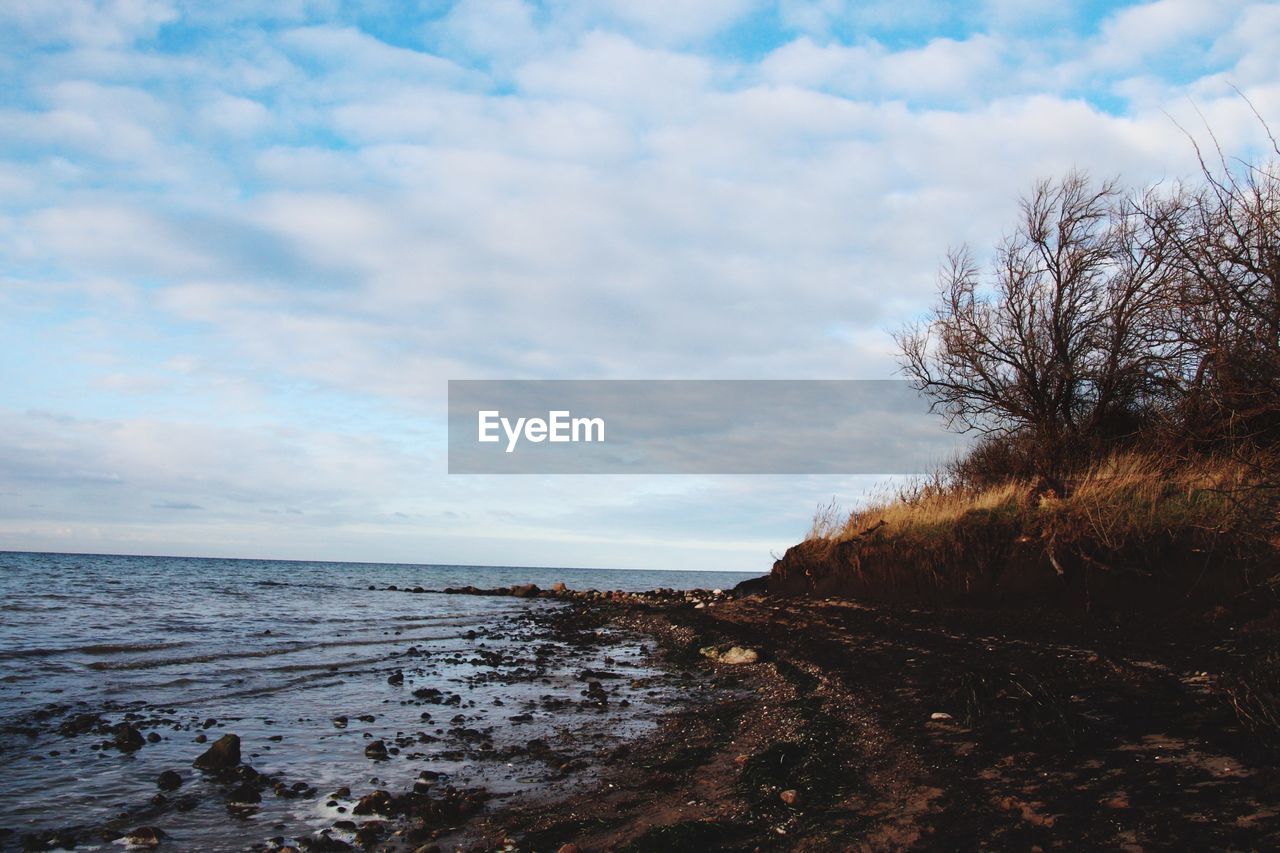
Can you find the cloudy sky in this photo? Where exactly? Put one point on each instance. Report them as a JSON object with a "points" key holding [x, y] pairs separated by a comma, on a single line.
{"points": [[244, 245]]}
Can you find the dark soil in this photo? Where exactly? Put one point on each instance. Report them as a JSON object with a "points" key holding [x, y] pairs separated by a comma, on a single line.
{"points": [[1060, 731]]}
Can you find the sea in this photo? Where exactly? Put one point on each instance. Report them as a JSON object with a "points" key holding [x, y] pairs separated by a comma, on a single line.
{"points": [[307, 663]]}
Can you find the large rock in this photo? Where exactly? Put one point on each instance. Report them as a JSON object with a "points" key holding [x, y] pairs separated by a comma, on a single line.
{"points": [[223, 755], [379, 802], [751, 586], [527, 590], [245, 793]]}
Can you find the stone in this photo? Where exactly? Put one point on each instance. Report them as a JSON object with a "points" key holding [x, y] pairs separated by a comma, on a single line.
{"points": [[396, 678], [376, 750], [558, 587], [223, 755], [752, 586], [126, 738], [733, 655], [568, 848], [169, 780], [146, 836], [244, 793], [791, 797], [940, 716], [79, 724], [526, 590], [379, 802]]}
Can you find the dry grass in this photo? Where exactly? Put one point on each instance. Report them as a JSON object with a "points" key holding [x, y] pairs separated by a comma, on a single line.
{"points": [[1127, 495], [1202, 526]]}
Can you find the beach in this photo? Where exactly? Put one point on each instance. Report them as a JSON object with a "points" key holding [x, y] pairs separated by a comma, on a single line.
{"points": [[875, 728], [693, 720]]}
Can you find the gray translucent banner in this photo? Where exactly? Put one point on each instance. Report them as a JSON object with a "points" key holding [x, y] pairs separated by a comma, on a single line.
{"points": [[693, 427]]}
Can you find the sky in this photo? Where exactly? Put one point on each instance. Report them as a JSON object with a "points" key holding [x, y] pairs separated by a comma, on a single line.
{"points": [[244, 245]]}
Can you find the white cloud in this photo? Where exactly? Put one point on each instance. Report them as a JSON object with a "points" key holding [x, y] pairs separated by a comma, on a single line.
{"points": [[346, 53], [613, 71], [676, 20], [87, 22], [958, 70], [286, 245], [236, 116]]}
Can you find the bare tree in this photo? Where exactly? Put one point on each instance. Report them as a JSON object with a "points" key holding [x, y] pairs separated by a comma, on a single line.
{"points": [[1224, 240], [1059, 344]]}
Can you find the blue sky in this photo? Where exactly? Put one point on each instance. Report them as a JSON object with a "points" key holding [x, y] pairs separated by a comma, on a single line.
{"points": [[245, 245]]}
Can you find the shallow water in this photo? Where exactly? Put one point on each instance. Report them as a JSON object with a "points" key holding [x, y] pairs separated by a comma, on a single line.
{"points": [[274, 651]]}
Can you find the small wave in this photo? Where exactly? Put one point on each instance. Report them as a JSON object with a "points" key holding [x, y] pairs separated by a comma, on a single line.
{"points": [[93, 649], [229, 655]]}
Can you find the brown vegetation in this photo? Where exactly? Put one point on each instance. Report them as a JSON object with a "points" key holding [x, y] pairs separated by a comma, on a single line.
{"points": [[1121, 361]]}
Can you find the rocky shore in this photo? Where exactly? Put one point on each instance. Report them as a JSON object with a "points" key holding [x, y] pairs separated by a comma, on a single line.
{"points": [[807, 724]]}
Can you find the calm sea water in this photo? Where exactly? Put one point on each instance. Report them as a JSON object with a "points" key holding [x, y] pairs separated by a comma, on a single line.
{"points": [[274, 651]]}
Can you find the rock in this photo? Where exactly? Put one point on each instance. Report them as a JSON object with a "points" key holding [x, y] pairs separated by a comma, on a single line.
{"points": [[368, 834], [396, 678], [169, 780], [147, 836], [127, 739], [79, 724], [153, 737], [526, 590], [376, 750], [339, 722], [558, 587], [223, 755], [244, 793], [752, 586], [940, 716], [568, 848], [379, 802], [733, 655], [791, 797]]}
